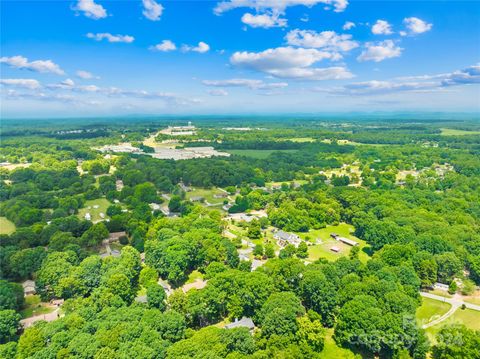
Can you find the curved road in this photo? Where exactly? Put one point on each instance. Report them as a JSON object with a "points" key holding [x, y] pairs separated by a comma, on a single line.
{"points": [[455, 302]]}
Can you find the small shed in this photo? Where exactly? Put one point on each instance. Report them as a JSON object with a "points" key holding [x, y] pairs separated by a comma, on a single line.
{"points": [[335, 249]]}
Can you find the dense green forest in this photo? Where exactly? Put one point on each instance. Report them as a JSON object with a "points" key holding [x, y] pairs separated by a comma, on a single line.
{"points": [[157, 258]]}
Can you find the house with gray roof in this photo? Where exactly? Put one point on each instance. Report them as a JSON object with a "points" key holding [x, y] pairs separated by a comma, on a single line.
{"points": [[285, 238]]}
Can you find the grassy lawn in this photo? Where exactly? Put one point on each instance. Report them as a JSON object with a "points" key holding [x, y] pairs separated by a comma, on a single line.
{"points": [[208, 194], [6, 227], [332, 350], [302, 139], [298, 182], [259, 154], [324, 249], [34, 306], [430, 309], [453, 132], [472, 300], [102, 204], [468, 317], [441, 293]]}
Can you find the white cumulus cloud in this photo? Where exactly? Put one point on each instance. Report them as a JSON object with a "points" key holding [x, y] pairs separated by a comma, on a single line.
{"points": [[416, 25], [348, 25], [276, 6], [43, 66], [290, 62], [22, 83], [202, 47], [111, 38], [164, 46], [264, 20], [382, 27], [152, 10], [328, 40], [91, 10], [380, 51]]}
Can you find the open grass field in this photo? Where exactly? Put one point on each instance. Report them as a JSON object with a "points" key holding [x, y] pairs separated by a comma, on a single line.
{"points": [[208, 194], [6, 227], [431, 309], [296, 182], [302, 139], [474, 299], [323, 250], [332, 350], [441, 293], [453, 132], [258, 154], [34, 306], [102, 204]]}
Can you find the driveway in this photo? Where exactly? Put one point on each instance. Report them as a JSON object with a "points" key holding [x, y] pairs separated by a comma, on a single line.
{"points": [[455, 302]]}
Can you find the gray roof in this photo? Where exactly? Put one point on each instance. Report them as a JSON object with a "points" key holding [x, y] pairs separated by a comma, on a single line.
{"points": [[290, 237], [242, 323]]}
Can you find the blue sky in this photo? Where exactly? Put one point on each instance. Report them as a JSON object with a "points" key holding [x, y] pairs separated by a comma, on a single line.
{"points": [[91, 57]]}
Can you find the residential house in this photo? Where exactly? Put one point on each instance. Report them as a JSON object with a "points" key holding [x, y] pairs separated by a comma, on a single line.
{"points": [[285, 238]]}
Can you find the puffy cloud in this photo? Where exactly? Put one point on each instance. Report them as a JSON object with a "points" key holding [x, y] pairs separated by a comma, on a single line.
{"points": [[90, 9], [86, 75], [250, 83], [348, 25], [111, 38], [43, 66], [289, 62], [328, 40], [217, 92], [22, 83], [152, 10], [164, 46], [280, 57], [202, 47], [379, 51], [264, 20], [276, 6], [382, 27], [416, 25]]}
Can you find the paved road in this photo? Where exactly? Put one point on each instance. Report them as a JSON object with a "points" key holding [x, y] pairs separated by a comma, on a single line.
{"points": [[27, 322], [455, 302], [457, 299]]}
